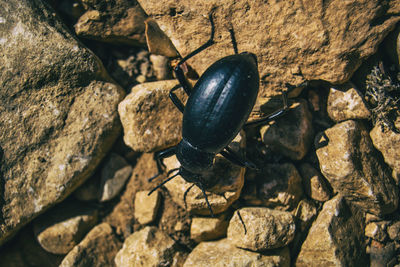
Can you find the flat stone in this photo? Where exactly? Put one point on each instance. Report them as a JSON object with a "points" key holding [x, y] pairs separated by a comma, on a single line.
{"points": [[345, 102], [150, 120], [351, 164], [62, 228], [149, 247], [58, 114], [276, 186], [98, 248], [206, 229], [290, 135], [146, 206], [315, 185], [294, 41], [223, 253], [117, 22], [335, 238], [113, 177], [261, 229]]}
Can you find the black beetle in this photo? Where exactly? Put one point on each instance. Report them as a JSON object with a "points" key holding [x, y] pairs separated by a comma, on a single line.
{"points": [[217, 109]]}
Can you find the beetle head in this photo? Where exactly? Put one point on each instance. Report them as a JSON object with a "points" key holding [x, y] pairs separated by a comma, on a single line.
{"points": [[192, 159]]}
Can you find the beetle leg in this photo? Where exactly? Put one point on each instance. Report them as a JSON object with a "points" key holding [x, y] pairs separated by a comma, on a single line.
{"points": [[233, 157], [199, 185], [159, 156], [177, 102], [165, 181], [272, 116], [178, 69]]}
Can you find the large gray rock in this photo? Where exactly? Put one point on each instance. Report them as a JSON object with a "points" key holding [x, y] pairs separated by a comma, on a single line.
{"points": [[353, 167], [58, 112], [336, 237], [294, 40]]}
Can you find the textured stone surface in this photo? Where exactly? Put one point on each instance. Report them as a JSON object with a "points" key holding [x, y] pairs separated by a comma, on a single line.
{"points": [[223, 254], [98, 248], [346, 103], [120, 21], [353, 167], [113, 176], [58, 114], [335, 238], [291, 134], [63, 227], [275, 186], [315, 185], [388, 143], [376, 230], [266, 229], [305, 213], [293, 40], [149, 247], [24, 251], [205, 229], [146, 206], [394, 231], [150, 120]]}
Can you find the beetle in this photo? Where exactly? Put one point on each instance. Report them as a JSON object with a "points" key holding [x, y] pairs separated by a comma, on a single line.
{"points": [[217, 108]]}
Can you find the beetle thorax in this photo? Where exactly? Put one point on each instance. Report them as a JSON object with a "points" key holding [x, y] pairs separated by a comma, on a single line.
{"points": [[193, 159]]}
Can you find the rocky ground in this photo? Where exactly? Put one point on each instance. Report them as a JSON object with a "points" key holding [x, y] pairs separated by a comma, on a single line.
{"points": [[85, 104]]}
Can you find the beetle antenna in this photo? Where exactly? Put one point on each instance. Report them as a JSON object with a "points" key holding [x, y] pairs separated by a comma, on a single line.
{"points": [[205, 196], [165, 181]]}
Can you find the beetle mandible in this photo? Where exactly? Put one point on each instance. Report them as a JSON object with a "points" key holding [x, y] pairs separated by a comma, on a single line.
{"points": [[217, 108]]}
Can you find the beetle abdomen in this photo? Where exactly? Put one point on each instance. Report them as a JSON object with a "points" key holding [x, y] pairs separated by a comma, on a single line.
{"points": [[221, 102]]}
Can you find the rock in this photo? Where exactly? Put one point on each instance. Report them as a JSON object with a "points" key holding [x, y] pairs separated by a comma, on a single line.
{"points": [[294, 41], [261, 229], [382, 256], [346, 103], [98, 248], [275, 186], [205, 229], [223, 253], [148, 247], [230, 182], [376, 230], [352, 166], [306, 212], [171, 219], [58, 114], [113, 177], [290, 135], [62, 228], [118, 22], [24, 251], [394, 231], [371, 218], [388, 143], [315, 185], [146, 206], [335, 238], [161, 67], [150, 120], [305, 215]]}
